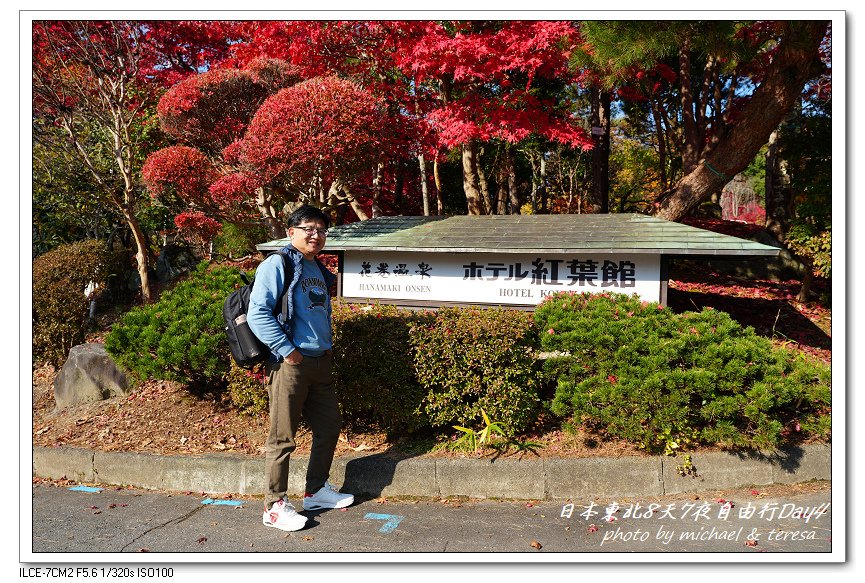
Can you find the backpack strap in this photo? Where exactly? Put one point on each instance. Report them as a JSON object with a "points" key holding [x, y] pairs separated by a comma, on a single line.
{"points": [[282, 302]]}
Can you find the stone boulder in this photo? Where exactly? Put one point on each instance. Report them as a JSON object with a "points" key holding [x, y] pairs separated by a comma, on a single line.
{"points": [[88, 375], [174, 260]]}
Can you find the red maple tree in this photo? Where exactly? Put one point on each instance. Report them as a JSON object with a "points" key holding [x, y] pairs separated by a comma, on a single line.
{"points": [[97, 81], [487, 81], [256, 136], [208, 113], [314, 137]]}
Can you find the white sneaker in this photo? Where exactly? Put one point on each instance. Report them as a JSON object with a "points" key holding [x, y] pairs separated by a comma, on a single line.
{"points": [[283, 516], [327, 497]]}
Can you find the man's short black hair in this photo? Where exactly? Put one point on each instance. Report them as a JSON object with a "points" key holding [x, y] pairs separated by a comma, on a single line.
{"points": [[308, 213]]}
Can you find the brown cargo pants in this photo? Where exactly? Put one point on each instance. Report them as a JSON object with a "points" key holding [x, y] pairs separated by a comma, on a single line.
{"points": [[299, 390]]}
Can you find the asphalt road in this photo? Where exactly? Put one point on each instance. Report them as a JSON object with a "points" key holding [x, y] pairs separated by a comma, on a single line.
{"points": [[102, 524]]}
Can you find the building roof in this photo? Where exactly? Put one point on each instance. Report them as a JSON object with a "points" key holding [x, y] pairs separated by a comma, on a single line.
{"points": [[594, 233]]}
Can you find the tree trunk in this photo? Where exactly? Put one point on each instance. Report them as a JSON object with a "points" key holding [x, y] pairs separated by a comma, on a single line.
{"points": [[779, 195], [601, 152], [796, 62], [399, 181], [141, 256], [423, 185], [355, 206], [470, 178], [513, 195], [662, 144], [535, 181], [338, 195], [376, 189], [807, 280], [502, 188], [483, 184], [274, 226], [542, 186], [690, 147], [438, 183]]}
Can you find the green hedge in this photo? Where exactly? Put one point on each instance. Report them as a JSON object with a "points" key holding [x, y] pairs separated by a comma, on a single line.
{"points": [[636, 371], [388, 372], [372, 364], [623, 368], [180, 337], [60, 308], [472, 360]]}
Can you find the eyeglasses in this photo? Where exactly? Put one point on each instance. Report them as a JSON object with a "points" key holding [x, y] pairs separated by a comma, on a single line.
{"points": [[310, 230]]}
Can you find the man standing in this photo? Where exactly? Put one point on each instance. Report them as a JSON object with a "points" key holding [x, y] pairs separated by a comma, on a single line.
{"points": [[299, 369]]}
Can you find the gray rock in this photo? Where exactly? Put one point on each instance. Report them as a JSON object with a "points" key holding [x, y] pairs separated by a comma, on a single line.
{"points": [[88, 375], [174, 260]]}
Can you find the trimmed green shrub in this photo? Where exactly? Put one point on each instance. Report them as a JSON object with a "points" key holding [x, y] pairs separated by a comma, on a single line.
{"points": [[180, 337], [247, 390], [636, 371], [60, 308], [372, 365], [469, 360]]}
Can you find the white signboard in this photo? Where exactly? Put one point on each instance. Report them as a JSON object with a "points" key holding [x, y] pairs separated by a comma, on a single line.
{"points": [[490, 278]]}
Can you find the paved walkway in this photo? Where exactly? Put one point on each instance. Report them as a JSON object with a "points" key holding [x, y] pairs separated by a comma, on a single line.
{"points": [[130, 522]]}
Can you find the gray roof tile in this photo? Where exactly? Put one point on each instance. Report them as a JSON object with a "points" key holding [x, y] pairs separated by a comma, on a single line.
{"points": [[611, 233]]}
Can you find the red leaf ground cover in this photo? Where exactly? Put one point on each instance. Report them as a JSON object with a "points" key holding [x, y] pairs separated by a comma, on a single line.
{"points": [[769, 306]]}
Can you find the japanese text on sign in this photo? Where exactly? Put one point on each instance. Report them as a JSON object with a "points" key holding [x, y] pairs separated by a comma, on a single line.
{"points": [[495, 278]]}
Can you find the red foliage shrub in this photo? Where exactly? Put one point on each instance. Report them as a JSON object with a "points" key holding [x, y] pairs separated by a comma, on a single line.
{"points": [[233, 188], [212, 109], [185, 169], [196, 227], [324, 127], [752, 213]]}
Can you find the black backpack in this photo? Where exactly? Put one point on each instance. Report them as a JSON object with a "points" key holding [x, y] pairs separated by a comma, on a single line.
{"points": [[246, 349]]}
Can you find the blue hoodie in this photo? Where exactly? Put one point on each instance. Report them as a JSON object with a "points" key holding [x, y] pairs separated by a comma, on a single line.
{"points": [[307, 327]]}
